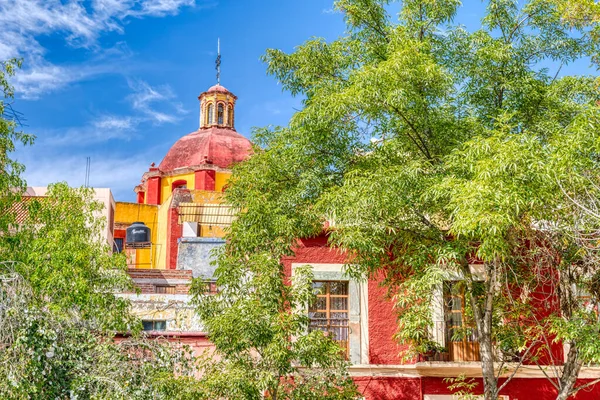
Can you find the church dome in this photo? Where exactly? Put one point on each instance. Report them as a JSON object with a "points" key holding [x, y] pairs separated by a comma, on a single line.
{"points": [[218, 88], [219, 146]]}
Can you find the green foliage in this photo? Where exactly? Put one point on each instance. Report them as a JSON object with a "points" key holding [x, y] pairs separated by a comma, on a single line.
{"points": [[258, 324], [59, 311], [48, 355], [10, 180], [479, 150], [70, 267], [462, 387]]}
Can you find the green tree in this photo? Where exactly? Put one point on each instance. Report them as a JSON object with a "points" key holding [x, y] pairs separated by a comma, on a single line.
{"points": [[59, 311], [258, 324], [10, 179], [474, 134]]}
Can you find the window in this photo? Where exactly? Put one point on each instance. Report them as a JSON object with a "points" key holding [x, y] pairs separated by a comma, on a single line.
{"points": [[220, 113], [209, 113], [118, 247], [179, 184], [230, 116], [154, 325], [164, 289], [329, 312], [461, 337]]}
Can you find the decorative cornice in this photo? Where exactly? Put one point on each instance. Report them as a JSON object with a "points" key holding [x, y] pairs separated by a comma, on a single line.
{"points": [[443, 369]]}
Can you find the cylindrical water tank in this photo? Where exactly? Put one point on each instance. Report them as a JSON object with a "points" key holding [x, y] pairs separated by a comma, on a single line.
{"points": [[137, 233]]}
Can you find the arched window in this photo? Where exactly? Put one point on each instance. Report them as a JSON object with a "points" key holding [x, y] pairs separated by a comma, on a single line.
{"points": [[209, 113], [179, 184], [220, 114], [230, 116]]}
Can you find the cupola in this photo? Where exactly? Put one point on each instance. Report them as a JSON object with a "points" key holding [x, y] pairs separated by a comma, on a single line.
{"points": [[217, 107]]}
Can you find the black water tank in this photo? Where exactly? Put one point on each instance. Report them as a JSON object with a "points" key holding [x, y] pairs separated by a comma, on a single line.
{"points": [[137, 233]]}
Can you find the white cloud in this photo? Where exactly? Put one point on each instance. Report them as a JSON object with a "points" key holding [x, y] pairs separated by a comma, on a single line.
{"points": [[150, 105], [116, 123], [79, 136], [80, 23], [120, 174], [149, 101]]}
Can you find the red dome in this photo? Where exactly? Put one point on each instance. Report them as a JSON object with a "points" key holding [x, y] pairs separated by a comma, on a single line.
{"points": [[218, 88], [223, 147]]}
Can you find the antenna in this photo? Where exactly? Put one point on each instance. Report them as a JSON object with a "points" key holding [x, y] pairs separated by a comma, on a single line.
{"points": [[218, 61], [88, 167]]}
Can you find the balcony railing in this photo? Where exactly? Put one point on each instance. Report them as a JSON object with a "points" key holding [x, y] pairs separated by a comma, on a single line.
{"points": [[460, 343]]}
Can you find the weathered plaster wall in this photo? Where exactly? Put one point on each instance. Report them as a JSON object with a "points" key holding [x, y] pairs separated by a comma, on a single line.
{"points": [[146, 280], [195, 254]]}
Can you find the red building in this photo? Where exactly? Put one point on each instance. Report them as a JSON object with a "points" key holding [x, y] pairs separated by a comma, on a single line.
{"points": [[179, 200]]}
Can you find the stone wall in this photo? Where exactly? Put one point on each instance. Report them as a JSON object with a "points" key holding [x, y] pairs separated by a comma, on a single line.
{"points": [[196, 254]]}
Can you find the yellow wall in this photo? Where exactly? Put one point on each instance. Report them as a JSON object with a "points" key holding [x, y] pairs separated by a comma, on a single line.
{"points": [[167, 181], [161, 235], [157, 217], [221, 179], [128, 213]]}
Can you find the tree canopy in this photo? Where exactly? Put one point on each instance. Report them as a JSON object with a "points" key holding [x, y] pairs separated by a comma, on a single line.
{"points": [[59, 308], [427, 147]]}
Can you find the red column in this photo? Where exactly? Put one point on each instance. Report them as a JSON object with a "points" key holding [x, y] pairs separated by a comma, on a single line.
{"points": [[205, 179], [153, 196], [174, 233], [140, 197]]}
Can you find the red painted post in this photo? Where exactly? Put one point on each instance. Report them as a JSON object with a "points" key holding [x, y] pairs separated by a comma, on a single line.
{"points": [[205, 179]]}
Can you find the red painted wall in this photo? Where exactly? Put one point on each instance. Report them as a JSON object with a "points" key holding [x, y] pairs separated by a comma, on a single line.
{"points": [[153, 195], [380, 388], [205, 179], [517, 389], [382, 318], [174, 232], [383, 349], [313, 250]]}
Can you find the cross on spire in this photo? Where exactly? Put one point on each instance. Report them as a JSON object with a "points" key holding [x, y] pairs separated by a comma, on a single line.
{"points": [[218, 61]]}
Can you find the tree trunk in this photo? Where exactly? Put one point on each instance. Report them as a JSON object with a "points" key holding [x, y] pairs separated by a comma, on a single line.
{"points": [[568, 298], [482, 313], [570, 373], [490, 383]]}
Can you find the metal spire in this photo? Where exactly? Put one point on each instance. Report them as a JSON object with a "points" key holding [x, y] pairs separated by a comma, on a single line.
{"points": [[218, 61]]}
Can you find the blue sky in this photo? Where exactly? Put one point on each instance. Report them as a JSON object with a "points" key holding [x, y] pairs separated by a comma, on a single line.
{"points": [[118, 80]]}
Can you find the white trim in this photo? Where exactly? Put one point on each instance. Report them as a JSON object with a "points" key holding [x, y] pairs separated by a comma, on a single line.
{"points": [[321, 267], [364, 321], [451, 397], [471, 369], [437, 314], [357, 303]]}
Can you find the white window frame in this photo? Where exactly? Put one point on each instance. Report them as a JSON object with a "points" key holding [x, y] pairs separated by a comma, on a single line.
{"points": [[358, 331]]}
